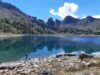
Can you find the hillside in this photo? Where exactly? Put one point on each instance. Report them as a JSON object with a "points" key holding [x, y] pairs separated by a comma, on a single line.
{"points": [[13, 20]]}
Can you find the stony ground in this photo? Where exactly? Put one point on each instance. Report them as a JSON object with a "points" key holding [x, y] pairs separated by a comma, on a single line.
{"points": [[63, 65]]}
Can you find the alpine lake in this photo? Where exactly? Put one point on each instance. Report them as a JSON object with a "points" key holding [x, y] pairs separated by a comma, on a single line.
{"points": [[39, 46]]}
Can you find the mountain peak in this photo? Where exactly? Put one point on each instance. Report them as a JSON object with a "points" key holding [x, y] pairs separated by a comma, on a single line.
{"points": [[70, 19], [50, 21], [90, 18]]}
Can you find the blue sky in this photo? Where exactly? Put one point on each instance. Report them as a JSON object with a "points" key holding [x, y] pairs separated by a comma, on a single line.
{"points": [[44, 9]]}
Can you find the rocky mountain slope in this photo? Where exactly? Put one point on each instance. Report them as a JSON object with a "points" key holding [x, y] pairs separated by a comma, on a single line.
{"points": [[13, 20]]}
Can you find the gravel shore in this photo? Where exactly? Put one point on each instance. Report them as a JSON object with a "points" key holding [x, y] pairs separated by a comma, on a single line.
{"points": [[62, 65]]}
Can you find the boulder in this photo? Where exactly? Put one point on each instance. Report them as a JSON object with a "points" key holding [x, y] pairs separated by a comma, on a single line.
{"points": [[69, 54], [58, 56], [45, 73], [66, 54], [83, 55]]}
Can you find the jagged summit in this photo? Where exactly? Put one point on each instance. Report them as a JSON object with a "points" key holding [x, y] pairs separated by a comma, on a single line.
{"points": [[70, 19]]}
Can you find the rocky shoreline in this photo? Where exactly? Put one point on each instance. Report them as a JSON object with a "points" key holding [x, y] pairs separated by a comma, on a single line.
{"points": [[59, 65]]}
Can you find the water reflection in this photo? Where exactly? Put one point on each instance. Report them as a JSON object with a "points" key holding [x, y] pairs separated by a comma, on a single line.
{"points": [[40, 46]]}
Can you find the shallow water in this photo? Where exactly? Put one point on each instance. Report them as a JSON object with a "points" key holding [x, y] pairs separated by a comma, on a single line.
{"points": [[16, 48]]}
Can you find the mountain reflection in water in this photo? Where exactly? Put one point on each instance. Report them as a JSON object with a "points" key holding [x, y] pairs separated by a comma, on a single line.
{"points": [[15, 48]]}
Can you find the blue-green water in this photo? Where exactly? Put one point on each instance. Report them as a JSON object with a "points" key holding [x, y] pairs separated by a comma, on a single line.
{"points": [[15, 48]]}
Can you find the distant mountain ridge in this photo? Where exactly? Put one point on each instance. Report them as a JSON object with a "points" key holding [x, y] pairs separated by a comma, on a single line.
{"points": [[13, 20]]}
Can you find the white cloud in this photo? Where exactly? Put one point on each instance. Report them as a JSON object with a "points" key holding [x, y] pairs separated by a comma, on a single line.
{"points": [[83, 17], [52, 11], [68, 9], [96, 16]]}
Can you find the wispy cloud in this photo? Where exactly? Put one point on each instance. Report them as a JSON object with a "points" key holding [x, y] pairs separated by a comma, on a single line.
{"points": [[68, 9]]}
